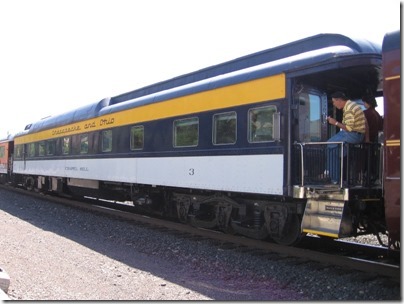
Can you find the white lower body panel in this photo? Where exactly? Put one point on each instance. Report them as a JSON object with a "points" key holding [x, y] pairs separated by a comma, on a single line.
{"points": [[3, 168], [261, 174]]}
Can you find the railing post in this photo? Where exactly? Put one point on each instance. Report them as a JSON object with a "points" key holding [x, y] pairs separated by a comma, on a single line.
{"points": [[302, 165], [341, 158]]}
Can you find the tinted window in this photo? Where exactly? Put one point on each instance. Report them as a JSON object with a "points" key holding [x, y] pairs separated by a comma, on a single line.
{"points": [[66, 145], [107, 141], [41, 148], [84, 143], [260, 124], [136, 137], [18, 151], [31, 149], [50, 147], [309, 117], [186, 132], [224, 128]]}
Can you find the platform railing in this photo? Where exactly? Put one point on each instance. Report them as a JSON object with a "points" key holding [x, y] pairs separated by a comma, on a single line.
{"points": [[337, 163]]}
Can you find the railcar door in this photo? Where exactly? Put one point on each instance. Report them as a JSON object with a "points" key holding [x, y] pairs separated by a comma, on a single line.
{"points": [[308, 124], [310, 112]]}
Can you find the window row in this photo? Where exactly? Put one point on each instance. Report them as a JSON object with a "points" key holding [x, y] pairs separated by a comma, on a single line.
{"points": [[185, 134], [260, 128]]}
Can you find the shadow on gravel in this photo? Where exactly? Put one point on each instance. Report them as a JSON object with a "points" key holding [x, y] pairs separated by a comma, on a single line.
{"points": [[197, 266]]}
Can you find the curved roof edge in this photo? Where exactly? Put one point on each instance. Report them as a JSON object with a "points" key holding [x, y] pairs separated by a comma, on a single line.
{"points": [[284, 65], [9, 137], [392, 41], [90, 110], [290, 49]]}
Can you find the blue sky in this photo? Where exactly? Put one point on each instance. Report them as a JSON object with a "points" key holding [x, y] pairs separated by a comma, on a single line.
{"points": [[59, 55]]}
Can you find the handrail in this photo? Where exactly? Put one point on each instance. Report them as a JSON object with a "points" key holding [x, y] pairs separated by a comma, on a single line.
{"points": [[356, 165]]}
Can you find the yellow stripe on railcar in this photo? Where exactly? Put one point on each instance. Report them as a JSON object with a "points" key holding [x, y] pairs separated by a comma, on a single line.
{"points": [[393, 143], [254, 91]]}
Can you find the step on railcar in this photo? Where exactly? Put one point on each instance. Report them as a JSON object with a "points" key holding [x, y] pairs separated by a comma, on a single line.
{"points": [[239, 146]]}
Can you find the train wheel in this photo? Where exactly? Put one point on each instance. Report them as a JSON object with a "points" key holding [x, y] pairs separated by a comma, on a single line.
{"points": [[182, 212], [291, 234], [30, 183]]}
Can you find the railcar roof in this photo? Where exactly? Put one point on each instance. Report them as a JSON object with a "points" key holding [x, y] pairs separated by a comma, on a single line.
{"points": [[287, 64], [9, 137], [285, 58], [308, 44], [82, 113], [392, 41]]}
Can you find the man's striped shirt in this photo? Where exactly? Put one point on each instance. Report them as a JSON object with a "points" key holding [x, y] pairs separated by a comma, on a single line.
{"points": [[353, 117]]}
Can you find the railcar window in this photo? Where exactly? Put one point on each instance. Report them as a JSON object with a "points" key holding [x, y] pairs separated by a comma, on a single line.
{"points": [[2, 151], [41, 148], [18, 151], [50, 147], [31, 150], [136, 137], [260, 124], [309, 117], [186, 132], [84, 144], [66, 145], [224, 128], [106, 141]]}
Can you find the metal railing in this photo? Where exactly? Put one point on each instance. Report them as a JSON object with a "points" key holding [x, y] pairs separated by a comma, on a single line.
{"points": [[337, 163]]}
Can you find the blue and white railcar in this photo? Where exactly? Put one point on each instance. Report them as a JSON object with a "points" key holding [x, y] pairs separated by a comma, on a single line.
{"points": [[221, 147]]}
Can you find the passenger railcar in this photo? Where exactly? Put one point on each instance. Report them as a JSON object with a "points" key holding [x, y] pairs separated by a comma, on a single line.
{"points": [[392, 122], [239, 146], [6, 152]]}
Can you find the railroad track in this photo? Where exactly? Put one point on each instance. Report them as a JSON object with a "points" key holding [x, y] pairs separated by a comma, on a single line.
{"points": [[374, 260]]}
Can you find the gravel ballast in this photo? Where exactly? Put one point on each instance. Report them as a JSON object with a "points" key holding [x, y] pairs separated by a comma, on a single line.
{"points": [[54, 252]]}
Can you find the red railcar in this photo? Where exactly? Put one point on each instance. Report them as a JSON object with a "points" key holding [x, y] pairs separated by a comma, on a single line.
{"points": [[391, 52], [6, 153]]}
